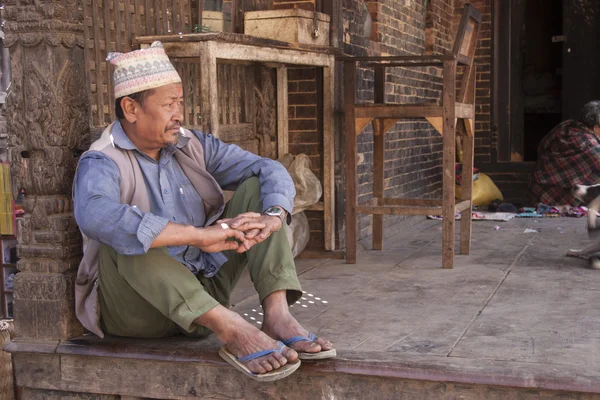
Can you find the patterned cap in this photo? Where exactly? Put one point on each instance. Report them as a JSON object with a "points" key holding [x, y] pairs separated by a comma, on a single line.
{"points": [[141, 70]]}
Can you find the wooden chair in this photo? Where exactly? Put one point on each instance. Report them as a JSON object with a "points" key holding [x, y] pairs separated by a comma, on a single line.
{"points": [[456, 112]]}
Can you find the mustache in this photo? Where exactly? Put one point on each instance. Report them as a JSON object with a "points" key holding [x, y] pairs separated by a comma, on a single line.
{"points": [[172, 127]]}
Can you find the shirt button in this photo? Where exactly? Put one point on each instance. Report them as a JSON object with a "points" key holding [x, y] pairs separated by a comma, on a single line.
{"points": [[166, 191]]}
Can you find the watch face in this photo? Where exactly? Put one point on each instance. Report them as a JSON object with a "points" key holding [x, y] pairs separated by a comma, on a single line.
{"points": [[276, 211]]}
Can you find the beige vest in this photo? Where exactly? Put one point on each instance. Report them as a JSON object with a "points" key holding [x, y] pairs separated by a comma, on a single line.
{"points": [[191, 160]]}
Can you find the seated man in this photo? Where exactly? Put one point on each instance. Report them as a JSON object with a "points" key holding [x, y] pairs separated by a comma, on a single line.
{"points": [[162, 250], [568, 155]]}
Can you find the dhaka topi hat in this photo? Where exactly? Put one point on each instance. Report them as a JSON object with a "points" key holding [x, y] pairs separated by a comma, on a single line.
{"points": [[141, 70]]}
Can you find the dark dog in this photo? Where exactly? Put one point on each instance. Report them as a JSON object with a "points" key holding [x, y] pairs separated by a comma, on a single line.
{"points": [[590, 195]]}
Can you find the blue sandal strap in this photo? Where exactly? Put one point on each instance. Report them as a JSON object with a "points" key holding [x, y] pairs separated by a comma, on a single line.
{"points": [[261, 353], [311, 338]]}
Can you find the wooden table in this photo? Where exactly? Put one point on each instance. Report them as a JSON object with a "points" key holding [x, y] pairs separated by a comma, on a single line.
{"points": [[209, 49]]}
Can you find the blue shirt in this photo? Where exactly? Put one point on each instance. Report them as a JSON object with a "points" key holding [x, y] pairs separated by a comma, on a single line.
{"points": [[125, 228]]}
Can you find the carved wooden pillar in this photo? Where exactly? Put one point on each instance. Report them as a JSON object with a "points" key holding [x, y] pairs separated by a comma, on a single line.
{"points": [[48, 115]]}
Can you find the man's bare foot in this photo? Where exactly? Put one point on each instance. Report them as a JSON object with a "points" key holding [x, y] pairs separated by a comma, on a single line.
{"points": [[279, 324], [242, 338]]}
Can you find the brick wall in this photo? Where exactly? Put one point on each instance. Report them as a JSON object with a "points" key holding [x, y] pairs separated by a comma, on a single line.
{"points": [[413, 151]]}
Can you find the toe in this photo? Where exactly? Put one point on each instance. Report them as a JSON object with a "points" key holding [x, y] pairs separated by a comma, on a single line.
{"points": [[274, 363], [281, 360], [324, 343], [290, 354], [266, 365], [307, 347], [256, 367]]}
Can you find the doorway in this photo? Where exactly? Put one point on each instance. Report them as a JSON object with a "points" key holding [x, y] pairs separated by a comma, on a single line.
{"points": [[545, 69]]}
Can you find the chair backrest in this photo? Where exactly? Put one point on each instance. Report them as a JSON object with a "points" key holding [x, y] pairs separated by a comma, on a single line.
{"points": [[465, 45], [467, 34]]}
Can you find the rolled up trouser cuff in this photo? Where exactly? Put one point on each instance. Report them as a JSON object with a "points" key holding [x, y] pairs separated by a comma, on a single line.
{"points": [[288, 282], [190, 309]]}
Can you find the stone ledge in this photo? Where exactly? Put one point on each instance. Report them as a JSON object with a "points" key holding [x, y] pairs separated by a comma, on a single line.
{"points": [[184, 368]]}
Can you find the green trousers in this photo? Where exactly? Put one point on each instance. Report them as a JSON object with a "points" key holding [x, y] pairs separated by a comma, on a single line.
{"points": [[153, 295]]}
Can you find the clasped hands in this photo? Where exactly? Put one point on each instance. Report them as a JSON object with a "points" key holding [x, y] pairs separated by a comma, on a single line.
{"points": [[246, 230]]}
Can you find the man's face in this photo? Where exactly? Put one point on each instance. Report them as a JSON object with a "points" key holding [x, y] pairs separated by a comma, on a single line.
{"points": [[158, 121]]}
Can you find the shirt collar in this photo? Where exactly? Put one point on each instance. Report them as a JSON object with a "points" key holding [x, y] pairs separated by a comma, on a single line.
{"points": [[121, 140]]}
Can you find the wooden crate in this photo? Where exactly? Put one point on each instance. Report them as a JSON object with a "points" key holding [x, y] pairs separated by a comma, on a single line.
{"points": [[294, 26]]}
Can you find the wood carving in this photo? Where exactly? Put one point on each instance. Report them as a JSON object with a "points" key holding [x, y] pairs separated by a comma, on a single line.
{"points": [[47, 120]]}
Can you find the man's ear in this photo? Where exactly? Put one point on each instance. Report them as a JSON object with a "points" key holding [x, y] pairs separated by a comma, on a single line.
{"points": [[129, 107]]}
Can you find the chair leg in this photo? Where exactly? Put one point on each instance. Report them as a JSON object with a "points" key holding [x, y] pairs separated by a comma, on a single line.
{"points": [[466, 184], [448, 163], [351, 162], [378, 183]]}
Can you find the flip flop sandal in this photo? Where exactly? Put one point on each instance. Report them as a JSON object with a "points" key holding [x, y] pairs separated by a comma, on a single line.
{"points": [[276, 374], [309, 356]]}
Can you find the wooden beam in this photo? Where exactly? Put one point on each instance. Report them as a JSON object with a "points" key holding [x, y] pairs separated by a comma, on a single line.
{"points": [[382, 126], [462, 206], [396, 210], [408, 64], [448, 161], [464, 110], [398, 111], [466, 185], [329, 156], [384, 59], [282, 112], [437, 123], [413, 202], [378, 158], [209, 96], [242, 52], [469, 127], [361, 124], [350, 160]]}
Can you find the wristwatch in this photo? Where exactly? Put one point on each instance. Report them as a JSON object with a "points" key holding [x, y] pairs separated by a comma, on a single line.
{"points": [[276, 212]]}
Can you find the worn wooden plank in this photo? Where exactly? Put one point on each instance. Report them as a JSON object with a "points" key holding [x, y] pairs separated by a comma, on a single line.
{"points": [[389, 59], [463, 110], [361, 124], [109, 96], [412, 202], [398, 210], [469, 127], [382, 126], [378, 158], [408, 64], [468, 143], [351, 160], [236, 132], [398, 111], [329, 155], [209, 94], [448, 162], [468, 150], [437, 123], [282, 112], [118, 29], [244, 52], [463, 206]]}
